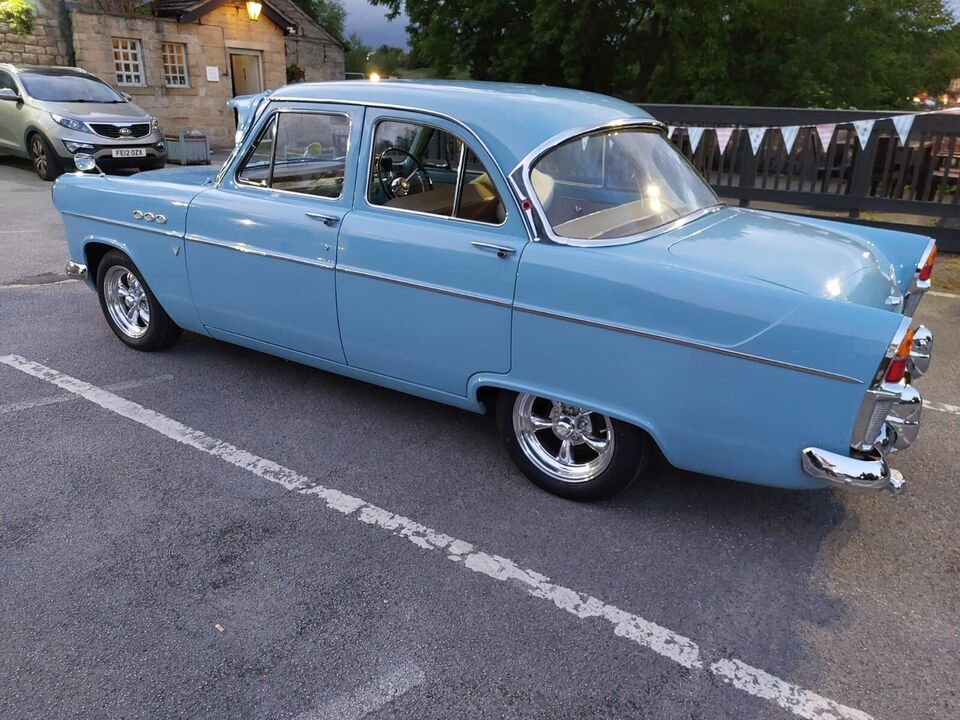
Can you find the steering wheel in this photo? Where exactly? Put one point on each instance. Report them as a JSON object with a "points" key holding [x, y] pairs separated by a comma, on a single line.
{"points": [[398, 185]]}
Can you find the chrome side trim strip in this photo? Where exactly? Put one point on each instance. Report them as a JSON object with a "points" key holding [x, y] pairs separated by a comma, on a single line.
{"points": [[687, 343], [260, 252], [121, 223], [423, 286]]}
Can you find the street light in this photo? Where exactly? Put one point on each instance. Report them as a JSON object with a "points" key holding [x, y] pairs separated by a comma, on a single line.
{"points": [[253, 9]]}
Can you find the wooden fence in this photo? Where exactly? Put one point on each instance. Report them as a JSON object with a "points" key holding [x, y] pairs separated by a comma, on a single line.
{"points": [[918, 178]]}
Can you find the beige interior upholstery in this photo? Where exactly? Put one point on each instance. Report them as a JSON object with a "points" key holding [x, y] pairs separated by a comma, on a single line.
{"points": [[479, 201]]}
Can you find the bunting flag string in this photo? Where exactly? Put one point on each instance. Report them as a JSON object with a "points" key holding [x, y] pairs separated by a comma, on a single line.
{"points": [[756, 135], [863, 128], [695, 133], [789, 134], [903, 124], [723, 137], [825, 133]]}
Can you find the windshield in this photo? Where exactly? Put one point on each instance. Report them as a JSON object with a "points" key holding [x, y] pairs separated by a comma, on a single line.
{"points": [[617, 183], [68, 88]]}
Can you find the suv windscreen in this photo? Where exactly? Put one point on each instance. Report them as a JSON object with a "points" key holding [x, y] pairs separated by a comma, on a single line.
{"points": [[68, 88]]}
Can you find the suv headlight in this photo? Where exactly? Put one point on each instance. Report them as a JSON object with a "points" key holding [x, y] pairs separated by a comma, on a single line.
{"points": [[70, 123], [154, 125]]}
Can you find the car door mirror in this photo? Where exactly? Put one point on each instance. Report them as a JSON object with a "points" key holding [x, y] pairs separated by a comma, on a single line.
{"points": [[8, 94], [85, 163]]}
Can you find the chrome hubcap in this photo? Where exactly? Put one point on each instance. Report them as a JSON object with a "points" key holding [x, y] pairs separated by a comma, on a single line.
{"points": [[569, 443], [126, 301], [39, 156]]}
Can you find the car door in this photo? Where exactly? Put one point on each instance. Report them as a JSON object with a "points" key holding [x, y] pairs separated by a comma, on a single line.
{"points": [[261, 248], [427, 265], [11, 114]]}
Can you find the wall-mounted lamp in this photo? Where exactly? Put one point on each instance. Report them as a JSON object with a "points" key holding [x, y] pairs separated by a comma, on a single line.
{"points": [[253, 9]]}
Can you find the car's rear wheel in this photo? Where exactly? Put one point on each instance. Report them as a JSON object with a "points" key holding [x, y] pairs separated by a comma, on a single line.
{"points": [[129, 306], [570, 451], [45, 160]]}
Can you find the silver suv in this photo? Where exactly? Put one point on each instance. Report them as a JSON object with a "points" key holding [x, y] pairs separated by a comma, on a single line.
{"points": [[49, 114]]}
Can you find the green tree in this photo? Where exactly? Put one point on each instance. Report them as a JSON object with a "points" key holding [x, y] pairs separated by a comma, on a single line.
{"points": [[355, 59], [863, 53], [330, 14]]}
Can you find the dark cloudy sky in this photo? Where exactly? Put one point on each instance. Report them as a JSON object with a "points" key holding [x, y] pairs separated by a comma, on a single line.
{"points": [[370, 23]]}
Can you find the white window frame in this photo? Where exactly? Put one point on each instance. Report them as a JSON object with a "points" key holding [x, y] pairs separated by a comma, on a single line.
{"points": [[128, 61], [176, 72]]}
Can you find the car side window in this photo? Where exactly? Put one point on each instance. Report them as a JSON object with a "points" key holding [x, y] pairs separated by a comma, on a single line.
{"points": [[302, 153], [421, 168], [6, 82]]}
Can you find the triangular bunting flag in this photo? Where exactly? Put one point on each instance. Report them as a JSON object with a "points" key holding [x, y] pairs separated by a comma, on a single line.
{"points": [[825, 133], [756, 137], [723, 137], [790, 136], [863, 128], [695, 133], [670, 131], [903, 124]]}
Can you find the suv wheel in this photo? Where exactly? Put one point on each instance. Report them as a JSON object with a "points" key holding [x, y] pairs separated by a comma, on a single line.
{"points": [[45, 161]]}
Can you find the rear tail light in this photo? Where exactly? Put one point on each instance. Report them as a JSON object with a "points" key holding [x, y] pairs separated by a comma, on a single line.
{"points": [[927, 268], [898, 366]]}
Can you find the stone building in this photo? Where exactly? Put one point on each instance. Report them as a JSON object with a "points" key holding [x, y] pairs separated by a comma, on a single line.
{"points": [[181, 60]]}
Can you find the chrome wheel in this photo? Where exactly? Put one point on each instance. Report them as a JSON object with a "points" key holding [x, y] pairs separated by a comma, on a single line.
{"points": [[126, 301], [39, 153], [571, 444]]}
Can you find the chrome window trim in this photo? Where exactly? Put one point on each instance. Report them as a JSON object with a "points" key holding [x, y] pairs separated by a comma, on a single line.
{"points": [[457, 189], [122, 223], [261, 252], [526, 165], [440, 289], [685, 343], [275, 114], [517, 198]]}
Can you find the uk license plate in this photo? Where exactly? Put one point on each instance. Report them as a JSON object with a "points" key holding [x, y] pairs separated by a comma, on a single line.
{"points": [[129, 152]]}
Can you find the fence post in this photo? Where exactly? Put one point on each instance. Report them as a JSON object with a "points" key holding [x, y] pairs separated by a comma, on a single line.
{"points": [[863, 163]]}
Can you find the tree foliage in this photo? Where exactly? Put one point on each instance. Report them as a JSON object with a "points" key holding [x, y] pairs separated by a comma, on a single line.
{"points": [[330, 14], [861, 53]]}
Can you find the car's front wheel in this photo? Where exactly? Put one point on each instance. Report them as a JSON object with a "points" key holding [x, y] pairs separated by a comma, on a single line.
{"points": [[570, 451], [129, 306], [45, 160]]}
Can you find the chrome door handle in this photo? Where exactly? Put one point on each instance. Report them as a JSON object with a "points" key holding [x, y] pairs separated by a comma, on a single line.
{"points": [[328, 220], [500, 250]]}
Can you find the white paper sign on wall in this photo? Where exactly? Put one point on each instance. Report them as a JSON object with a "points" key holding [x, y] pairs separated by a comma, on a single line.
{"points": [[213, 73]]}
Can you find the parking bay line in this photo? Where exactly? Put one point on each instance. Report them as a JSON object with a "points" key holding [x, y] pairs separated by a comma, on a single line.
{"points": [[67, 397], [673, 646], [941, 407], [363, 701]]}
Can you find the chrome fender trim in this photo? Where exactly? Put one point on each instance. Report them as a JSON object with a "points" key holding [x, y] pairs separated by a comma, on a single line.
{"points": [[921, 352], [853, 474]]}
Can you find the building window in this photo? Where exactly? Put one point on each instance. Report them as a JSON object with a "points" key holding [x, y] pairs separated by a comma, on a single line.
{"points": [[175, 65], [127, 62]]}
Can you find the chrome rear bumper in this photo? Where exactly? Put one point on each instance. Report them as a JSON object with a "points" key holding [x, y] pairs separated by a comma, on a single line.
{"points": [[889, 421], [76, 270]]}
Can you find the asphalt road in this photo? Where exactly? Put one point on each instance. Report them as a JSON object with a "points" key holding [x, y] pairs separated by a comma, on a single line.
{"points": [[142, 576]]}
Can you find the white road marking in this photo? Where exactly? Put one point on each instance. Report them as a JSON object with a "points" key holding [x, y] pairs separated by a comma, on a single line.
{"points": [[54, 399], [940, 293], [941, 407], [365, 700], [21, 286], [664, 642]]}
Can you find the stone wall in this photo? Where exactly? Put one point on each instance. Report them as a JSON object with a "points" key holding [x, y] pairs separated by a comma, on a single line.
{"points": [[47, 45], [321, 59], [202, 105]]}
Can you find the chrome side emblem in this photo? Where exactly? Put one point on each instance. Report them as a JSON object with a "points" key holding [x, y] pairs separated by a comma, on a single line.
{"points": [[150, 217], [162, 219], [138, 215]]}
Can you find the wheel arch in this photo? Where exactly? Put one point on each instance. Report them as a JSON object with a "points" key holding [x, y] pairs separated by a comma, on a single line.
{"points": [[485, 388], [94, 250]]}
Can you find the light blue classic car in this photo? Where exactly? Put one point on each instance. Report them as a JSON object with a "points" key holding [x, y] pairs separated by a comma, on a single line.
{"points": [[544, 252]]}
